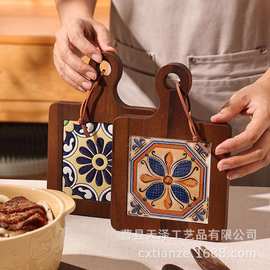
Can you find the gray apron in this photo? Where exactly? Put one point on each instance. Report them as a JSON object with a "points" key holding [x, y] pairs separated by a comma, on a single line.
{"points": [[225, 44]]}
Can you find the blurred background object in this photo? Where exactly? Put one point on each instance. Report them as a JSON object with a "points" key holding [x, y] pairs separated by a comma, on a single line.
{"points": [[29, 83]]}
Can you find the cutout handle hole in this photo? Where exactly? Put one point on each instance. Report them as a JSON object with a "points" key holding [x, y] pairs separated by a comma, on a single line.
{"points": [[170, 80]]}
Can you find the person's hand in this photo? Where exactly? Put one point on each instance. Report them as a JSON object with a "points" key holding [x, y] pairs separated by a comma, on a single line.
{"points": [[253, 100], [75, 39]]}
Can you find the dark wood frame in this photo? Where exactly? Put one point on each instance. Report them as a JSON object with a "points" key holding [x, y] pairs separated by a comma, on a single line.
{"points": [[104, 106], [165, 124], [58, 113]]}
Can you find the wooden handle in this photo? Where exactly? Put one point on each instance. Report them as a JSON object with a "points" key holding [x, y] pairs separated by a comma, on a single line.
{"points": [[109, 72], [107, 95], [112, 67], [180, 70], [163, 90]]}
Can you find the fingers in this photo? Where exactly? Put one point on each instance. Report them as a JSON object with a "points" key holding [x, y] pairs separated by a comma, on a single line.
{"points": [[76, 36], [247, 138], [237, 103], [240, 160], [72, 83], [71, 76], [246, 170], [74, 40], [104, 39], [63, 50], [249, 161]]}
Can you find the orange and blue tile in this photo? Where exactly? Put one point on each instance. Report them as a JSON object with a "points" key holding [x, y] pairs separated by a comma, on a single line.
{"points": [[169, 179]]}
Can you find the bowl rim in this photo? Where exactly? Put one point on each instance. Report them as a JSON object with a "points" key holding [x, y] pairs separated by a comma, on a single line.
{"points": [[60, 215]]}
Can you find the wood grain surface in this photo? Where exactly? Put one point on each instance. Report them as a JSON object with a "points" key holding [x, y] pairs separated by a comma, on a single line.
{"points": [[168, 122], [105, 106]]}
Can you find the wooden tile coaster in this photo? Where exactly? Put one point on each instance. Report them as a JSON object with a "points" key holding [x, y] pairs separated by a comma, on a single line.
{"points": [[162, 180], [81, 166]]}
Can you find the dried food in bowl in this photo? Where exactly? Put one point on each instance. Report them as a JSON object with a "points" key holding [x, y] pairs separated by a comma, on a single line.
{"points": [[41, 248], [19, 215]]}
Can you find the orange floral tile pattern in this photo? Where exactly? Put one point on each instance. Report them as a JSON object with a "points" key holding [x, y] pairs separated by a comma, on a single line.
{"points": [[169, 179]]}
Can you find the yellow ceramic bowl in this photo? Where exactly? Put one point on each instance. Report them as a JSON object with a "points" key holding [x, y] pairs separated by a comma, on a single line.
{"points": [[40, 249]]}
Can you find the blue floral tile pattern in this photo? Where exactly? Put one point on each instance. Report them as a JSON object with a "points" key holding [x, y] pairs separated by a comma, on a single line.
{"points": [[169, 179], [87, 161]]}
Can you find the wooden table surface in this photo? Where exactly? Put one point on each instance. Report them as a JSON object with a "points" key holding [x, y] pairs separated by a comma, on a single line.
{"points": [[91, 243]]}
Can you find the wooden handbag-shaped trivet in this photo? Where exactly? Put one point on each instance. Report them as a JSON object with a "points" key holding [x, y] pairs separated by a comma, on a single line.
{"points": [[80, 141], [165, 177]]}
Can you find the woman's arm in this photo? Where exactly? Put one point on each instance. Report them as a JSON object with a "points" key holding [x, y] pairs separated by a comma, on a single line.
{"points": [[80, 35]]}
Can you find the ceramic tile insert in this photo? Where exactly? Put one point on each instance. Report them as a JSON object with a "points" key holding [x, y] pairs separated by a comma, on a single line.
{"points": [[168, 179], [87, 161]]}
